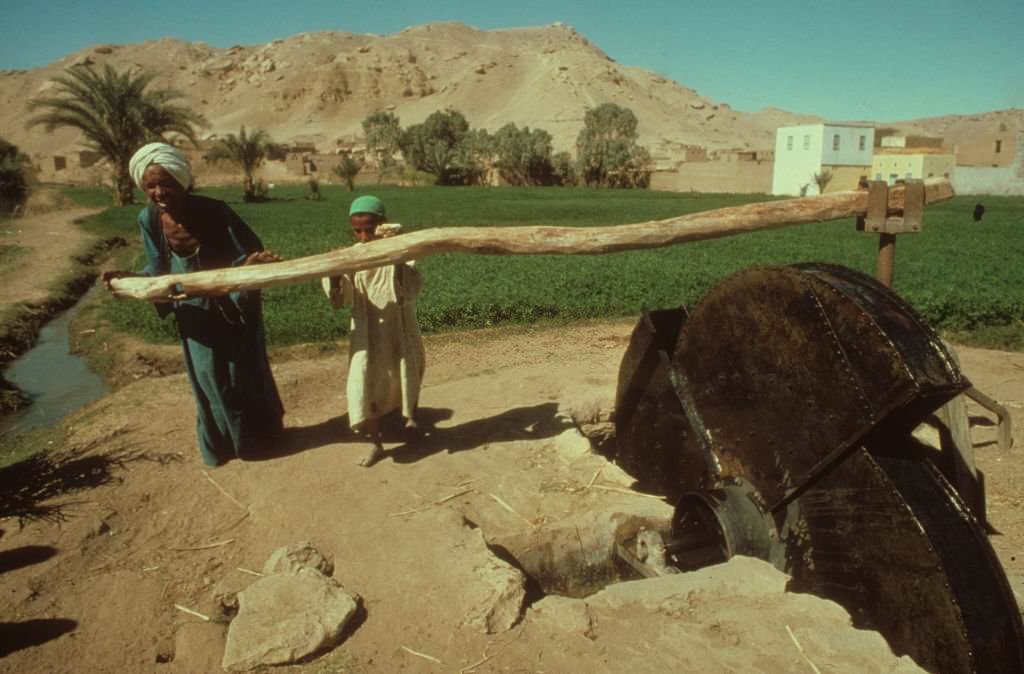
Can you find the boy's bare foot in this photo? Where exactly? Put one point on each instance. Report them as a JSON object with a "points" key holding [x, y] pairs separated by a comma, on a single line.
{"points": [[412, 431], [372, 456]]}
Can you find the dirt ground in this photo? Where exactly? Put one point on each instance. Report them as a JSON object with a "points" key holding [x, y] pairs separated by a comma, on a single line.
{"points": [[50, 239], [132, 526]]}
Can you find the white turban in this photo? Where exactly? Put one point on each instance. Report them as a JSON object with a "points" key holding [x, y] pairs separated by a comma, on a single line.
{"points": [[168, 156]]}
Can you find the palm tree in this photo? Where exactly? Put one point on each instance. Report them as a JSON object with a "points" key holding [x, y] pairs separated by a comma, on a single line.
{"points": [[822, 180], [117, 113], [247, 151]]}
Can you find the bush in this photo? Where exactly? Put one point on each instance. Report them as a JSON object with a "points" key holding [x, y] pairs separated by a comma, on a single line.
{"points": [[347, 169], [313, 189], [260, 191], [13, 181]]}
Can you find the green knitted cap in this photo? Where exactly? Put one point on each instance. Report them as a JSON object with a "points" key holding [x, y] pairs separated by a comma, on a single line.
{"points": [[367, 204]]}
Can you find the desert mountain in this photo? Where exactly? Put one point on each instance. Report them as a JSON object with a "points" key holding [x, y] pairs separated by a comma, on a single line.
{"points": [[320, 86]]}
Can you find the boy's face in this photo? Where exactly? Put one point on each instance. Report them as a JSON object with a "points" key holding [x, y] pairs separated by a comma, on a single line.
{"points": [[364, 226]]}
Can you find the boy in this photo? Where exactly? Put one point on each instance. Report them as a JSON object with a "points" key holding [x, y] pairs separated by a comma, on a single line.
{"points": [[386, 356]]}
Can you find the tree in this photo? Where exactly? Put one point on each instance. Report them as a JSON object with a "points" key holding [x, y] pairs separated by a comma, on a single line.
{"points": [[13, 183], [247, 151], [347, 169], [637, 172], [524, 156], [433, 146], [606, 150], [383, 134], [563, 169], [117, 112], [474, 157]]}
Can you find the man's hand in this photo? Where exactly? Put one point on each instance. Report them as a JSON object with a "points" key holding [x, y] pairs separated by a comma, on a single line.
{"points": [[109, 276], [261, 257]]}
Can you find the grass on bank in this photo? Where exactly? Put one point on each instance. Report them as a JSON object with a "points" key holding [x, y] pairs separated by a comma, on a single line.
{"points": [[961, 275]]}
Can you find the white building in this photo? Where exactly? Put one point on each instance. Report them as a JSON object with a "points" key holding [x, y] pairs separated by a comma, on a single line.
{"points": [[802, 151]]}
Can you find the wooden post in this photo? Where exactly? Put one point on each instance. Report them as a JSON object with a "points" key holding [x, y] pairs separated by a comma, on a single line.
{"points": [[882, 219], [886, 258], [1004, 437]]}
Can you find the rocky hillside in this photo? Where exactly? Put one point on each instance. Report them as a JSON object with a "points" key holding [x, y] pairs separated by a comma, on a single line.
{"points": [[319, 86], [956, 129]]}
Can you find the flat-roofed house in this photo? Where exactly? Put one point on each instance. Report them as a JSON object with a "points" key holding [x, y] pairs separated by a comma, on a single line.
{"points": [[906, 163], [845, 150]]}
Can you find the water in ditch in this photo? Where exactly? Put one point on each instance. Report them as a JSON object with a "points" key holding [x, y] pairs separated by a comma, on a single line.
{"points": [[58, 381]]}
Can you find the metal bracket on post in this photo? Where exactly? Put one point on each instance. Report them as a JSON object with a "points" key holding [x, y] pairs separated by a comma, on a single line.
{"points": [[879, 220]]}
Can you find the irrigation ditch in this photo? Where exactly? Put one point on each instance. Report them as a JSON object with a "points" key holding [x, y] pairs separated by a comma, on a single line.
{"points": [[22, 323]]}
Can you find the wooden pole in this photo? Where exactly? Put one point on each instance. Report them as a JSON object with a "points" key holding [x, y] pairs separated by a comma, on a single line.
{"points": [[886, 259], [539, 240]]}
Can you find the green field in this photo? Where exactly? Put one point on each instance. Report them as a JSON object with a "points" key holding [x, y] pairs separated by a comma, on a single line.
{"points": [[963, 276]]}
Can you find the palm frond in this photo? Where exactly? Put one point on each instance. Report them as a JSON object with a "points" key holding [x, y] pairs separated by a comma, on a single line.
{"points": [[116, 112]]}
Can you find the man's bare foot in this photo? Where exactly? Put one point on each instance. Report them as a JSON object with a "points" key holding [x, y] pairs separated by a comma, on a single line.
{"points": [[373, 455]]}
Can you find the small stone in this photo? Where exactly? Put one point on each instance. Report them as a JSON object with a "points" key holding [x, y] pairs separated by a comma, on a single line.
{"points": [[571, 445], [198, 646], [591, 409], [291, 558], [563, 614]]}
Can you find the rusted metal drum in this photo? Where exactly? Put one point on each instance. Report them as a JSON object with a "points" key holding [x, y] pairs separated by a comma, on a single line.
{"points": [[803, 384]]}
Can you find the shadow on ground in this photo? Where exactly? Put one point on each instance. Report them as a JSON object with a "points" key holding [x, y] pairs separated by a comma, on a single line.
{"points": [[535, 422], [26, 555], [522, 423], [29, 487], [16, 636], [296, 439]]}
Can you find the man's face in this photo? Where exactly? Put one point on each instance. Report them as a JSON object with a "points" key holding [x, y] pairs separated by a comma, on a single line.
{"points": [[364, 226], [162, 188]]}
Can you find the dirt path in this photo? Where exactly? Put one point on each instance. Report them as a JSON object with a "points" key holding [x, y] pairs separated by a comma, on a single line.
{"points": [[49, 239], [505, 464]]}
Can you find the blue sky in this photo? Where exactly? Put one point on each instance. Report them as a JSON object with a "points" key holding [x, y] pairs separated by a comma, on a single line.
{"points": [[884, 61]]}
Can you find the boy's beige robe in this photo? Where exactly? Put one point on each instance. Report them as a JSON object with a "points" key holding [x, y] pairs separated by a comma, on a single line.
{"points": [[386, 355]]}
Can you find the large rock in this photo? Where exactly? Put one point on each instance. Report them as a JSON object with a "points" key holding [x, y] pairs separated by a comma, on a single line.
{"points": [[732, 617], [500, 591], [284, 618]]}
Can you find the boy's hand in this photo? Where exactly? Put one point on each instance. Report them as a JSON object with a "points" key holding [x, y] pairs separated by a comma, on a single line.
{"points": [[387, 230]]}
